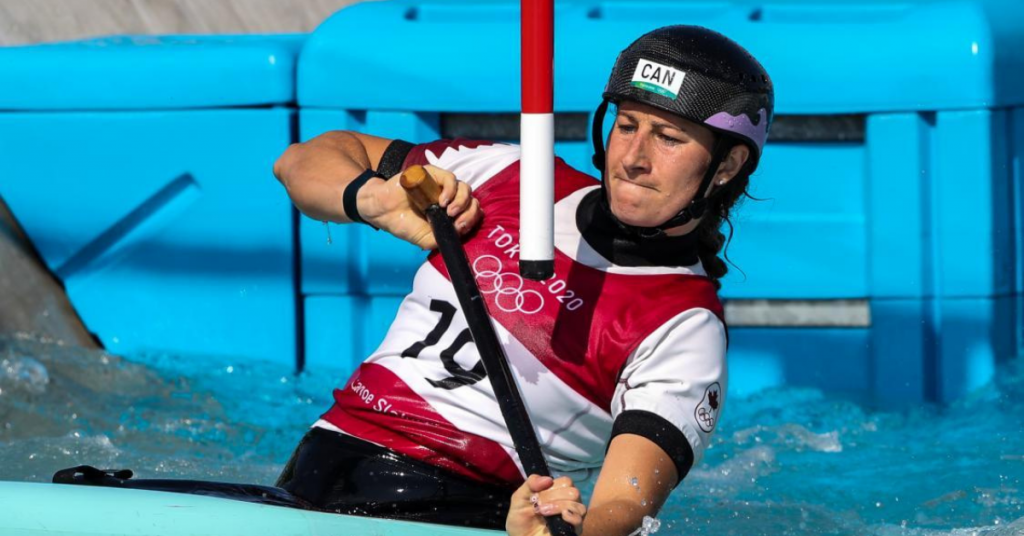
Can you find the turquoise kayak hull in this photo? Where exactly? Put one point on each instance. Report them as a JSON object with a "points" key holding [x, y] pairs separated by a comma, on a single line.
{"points": [[37, 509]]}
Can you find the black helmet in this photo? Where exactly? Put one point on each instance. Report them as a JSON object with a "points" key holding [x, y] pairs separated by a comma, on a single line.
{"points": [[702, 76]]}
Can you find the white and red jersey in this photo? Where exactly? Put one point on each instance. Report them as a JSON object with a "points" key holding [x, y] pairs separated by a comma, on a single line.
{"points": [[595, 343]]}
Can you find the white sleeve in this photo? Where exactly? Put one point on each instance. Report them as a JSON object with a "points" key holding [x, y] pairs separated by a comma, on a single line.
{"points": [[472, 162], [672, 388]]}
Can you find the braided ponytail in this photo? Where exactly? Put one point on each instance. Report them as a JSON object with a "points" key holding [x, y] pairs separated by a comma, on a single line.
{"points": [[710, 239]]}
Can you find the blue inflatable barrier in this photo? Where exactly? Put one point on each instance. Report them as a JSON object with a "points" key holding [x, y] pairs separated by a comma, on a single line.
{"points": [[883, 256], [889, 208], [140, 167]]}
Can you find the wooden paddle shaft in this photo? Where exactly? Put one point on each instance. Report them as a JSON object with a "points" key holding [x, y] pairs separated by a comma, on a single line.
{"points": [[422, 189]]}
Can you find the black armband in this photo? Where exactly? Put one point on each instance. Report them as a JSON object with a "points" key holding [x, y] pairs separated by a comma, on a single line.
{"points": [[348, 199], [660, 432], [393, 159]]}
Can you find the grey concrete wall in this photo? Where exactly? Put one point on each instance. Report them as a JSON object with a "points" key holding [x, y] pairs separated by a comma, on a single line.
{"points": [[32, 302], [33, 21]]}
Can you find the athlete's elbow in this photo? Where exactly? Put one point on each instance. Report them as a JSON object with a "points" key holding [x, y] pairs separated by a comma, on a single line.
{"points": [[284, 162]]}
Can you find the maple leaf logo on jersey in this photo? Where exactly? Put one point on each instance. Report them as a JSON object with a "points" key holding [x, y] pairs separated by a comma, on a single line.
{"points": [[706, 413], [437, 149]]}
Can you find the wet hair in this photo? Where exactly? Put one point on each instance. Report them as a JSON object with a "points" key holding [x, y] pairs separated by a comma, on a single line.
{"points": [[710, 239]]}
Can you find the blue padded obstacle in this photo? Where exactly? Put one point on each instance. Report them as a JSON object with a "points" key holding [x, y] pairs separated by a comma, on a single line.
{"points": [[890, 187], [140, 168], [885, 257]]}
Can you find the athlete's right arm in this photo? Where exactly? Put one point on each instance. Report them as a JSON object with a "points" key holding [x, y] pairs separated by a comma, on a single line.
{"points": [[315, 174]]}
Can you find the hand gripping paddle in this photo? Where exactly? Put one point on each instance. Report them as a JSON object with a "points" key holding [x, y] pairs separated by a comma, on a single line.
{"points": [[424, 192]]}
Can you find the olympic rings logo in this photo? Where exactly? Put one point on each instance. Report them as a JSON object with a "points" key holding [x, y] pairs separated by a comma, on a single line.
{"points": [[706, 417], [507, 287]]}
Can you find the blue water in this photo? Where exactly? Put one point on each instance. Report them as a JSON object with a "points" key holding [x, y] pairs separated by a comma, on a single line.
{"points": [[784, 462]]}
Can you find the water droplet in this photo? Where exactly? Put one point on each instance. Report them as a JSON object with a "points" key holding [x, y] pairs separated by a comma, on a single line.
{"points": [[27, 373], [635, 482], [327, 226], [650, 526]]}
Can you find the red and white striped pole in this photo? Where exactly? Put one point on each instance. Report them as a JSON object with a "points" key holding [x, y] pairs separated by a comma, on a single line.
{"points": [[537, 136]]}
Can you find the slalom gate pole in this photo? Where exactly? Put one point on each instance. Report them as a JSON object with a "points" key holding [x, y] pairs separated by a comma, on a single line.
{"points": [[537, 138]]}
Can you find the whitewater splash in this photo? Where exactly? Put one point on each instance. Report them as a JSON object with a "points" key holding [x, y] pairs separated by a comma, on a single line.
{"points": [[62, 406], [784, 462]]}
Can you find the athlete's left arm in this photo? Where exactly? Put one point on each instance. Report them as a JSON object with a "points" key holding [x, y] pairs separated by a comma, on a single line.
{"points": [[666, 406], [635, 481]]}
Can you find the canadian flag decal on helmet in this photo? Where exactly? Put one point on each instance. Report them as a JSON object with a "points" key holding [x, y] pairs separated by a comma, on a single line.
{"points": [[658, 78]]}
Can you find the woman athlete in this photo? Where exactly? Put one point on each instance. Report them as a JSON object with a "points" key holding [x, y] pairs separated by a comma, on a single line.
{"points": [[620, 356]]}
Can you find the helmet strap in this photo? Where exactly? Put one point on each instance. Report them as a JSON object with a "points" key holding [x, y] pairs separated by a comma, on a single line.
{"points": [[597, 133], [696, 208]]}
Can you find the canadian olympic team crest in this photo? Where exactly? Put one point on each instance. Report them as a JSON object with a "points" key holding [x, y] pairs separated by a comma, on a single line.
{"points": [[707, 411], [507, 287]]}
